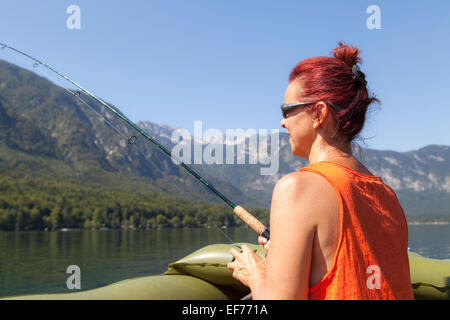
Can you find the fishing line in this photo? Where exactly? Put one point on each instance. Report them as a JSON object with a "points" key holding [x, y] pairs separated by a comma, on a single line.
{"points": [[77, 94], [131, 140], [243, 214], [226, 236]]}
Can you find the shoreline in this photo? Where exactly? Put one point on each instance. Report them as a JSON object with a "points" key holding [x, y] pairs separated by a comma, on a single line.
{"points": [[417, 223], [412, 223]]}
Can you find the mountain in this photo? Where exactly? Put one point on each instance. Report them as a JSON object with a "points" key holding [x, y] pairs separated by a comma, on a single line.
{"points": [[421, 178], [47, 130], [40, 118]]}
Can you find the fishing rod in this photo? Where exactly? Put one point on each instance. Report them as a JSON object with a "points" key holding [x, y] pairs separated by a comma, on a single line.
{"points": [[243, 214]]}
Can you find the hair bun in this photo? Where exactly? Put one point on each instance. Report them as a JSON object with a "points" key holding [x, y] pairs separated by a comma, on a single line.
{"points": [[348, 54]]}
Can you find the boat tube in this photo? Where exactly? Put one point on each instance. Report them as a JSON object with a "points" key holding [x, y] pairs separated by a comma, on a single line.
{"points": [[203, 275]]}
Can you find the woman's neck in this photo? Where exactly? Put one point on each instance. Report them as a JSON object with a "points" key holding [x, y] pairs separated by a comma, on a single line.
{"points": [[322, 150]]}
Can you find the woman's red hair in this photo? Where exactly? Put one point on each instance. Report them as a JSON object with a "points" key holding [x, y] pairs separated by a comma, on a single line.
{"points": [[331, 79]]}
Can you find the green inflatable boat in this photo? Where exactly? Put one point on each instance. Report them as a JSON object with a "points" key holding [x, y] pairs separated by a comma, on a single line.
{"points": [[203, 275]]}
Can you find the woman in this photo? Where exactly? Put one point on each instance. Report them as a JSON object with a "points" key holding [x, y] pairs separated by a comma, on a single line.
{"points": [[337, 231]]}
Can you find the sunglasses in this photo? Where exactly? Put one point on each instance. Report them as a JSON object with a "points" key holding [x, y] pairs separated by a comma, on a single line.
{"points": [[285, 108]]}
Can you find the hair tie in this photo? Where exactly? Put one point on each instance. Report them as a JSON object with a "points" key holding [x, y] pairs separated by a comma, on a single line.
{"points": [[357, 74]]}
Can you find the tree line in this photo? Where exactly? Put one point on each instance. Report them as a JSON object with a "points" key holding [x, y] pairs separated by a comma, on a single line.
{"points": [[37, 204]]}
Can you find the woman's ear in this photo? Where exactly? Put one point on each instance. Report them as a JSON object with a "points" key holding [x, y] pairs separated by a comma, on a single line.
{"points": [[319, 114]]}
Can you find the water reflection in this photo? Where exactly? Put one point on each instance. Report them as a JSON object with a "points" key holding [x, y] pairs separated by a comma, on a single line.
{"points": [[431, 241], [36, 262]]}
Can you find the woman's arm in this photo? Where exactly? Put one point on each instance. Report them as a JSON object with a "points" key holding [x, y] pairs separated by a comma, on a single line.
{"points": [[292, 224], [297, 203]]}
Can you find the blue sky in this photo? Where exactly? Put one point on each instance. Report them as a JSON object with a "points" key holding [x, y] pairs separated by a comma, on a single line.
{"points": [[227, 62]]}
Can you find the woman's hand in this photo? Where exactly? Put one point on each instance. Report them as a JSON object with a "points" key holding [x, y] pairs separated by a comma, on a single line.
{"points": [[248, 267], [263, 241]]}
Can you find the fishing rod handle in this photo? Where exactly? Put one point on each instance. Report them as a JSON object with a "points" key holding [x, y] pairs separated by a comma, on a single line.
{"points": [[252, 222]]}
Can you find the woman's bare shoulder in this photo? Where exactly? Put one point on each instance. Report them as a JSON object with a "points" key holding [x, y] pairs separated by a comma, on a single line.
{"points": [[304, 192], [305, 181]]}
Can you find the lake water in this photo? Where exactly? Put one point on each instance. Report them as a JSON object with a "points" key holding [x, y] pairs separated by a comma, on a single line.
{"points": [[36, 262]]}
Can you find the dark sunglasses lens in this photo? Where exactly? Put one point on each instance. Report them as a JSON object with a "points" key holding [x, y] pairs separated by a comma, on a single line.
{"points": [[285, 110]]}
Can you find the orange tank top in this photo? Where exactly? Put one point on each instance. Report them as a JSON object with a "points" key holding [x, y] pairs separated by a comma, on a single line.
{"points": [[371, 259]]}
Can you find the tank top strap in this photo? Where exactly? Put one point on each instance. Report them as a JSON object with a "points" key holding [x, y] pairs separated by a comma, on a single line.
{"points": [[337, 173]]}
